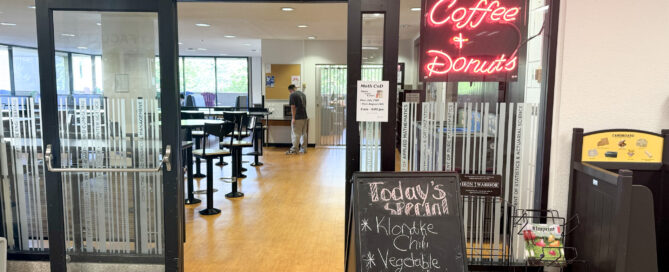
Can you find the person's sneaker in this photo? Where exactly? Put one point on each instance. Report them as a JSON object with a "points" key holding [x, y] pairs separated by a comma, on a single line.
{"points": [[303, 151], [290, 152]]}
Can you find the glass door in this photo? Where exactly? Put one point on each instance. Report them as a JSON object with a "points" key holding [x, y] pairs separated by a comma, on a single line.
{"points": [[113, 139]]}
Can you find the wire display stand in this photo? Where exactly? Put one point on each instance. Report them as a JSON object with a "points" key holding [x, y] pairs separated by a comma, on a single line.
{"points": [[488, 232], [566, 255]]}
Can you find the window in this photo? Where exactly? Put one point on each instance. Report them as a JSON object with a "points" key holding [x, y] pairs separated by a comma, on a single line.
{"points": [[98, 74], [232, 80], [26, 72], [201, 79], [82, 74], [5, 84], [62, 73]]}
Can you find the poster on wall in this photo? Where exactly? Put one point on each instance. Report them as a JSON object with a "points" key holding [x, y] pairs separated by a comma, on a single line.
{"points": [[372, 104], [269, 81], [295, 80], [471, 40]]}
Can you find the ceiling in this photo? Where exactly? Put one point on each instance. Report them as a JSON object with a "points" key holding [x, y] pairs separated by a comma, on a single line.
{"points": [[249, 23]]}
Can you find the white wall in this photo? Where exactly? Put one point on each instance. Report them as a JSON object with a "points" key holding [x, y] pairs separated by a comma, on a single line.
{"points": [[308, 54], [612, 72], [405, 54]]}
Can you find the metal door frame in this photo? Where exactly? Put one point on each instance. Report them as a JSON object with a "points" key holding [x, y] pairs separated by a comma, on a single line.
{"points": [[172, 186]]}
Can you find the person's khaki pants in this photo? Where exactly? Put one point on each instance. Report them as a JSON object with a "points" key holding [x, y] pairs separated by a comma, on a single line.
{"points": [[299, 135]]}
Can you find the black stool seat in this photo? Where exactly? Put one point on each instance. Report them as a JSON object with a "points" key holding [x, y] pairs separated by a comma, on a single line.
{"points": [[205, 153], [236, 143]]}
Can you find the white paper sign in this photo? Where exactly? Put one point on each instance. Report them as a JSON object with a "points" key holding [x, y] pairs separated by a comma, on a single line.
{"points": [[372, 103], [295, 80]]}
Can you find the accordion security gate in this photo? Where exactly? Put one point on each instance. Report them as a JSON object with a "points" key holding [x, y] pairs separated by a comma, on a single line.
{"points": [[478, 138]]}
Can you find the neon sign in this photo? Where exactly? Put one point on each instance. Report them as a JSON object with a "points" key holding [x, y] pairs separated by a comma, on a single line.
{"points": [[471, 40]]}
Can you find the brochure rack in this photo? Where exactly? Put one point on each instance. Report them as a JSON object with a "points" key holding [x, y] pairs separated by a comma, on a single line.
{"points": [[619, 185], [566, 255]]}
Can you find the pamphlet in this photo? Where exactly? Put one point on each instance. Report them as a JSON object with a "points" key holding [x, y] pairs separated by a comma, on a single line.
{"points": [[544, 242]]}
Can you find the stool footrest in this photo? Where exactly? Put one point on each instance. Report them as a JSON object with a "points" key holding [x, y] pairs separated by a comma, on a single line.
{"points": [[211, 211]]}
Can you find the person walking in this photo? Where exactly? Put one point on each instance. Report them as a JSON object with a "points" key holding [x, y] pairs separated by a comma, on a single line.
{"points": [[298, 109]]}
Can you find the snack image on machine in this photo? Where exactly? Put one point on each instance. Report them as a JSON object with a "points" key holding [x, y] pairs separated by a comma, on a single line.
{"points": [[650, 156], [642, 142], [593, 153], [611, 154], [622, 144], [603, 142], [630, 153]]}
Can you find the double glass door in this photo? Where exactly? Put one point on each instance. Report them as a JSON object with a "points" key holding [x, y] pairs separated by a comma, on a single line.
{"points": [[110, 143]]}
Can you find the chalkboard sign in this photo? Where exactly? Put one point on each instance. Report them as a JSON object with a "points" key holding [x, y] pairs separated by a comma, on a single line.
{"points": [[407, 222]]}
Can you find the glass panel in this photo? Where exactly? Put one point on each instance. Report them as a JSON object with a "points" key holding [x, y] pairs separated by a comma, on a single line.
{"points": [[82, 74], [22, 190], [372, 70], [475, 124], [111, 214], [62, 73], [332, 91], [98, 74], [200, 81], [5, 83], [26, 72], [232, 75]]}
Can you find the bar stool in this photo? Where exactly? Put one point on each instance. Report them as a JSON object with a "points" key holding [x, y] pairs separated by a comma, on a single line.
{"points": [[209, 155], [235, 146], [187, 153], [258, 135]]}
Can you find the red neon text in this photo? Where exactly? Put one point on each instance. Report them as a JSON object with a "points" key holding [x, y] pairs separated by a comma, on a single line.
{"points": [[443, 64], [473, 16]]}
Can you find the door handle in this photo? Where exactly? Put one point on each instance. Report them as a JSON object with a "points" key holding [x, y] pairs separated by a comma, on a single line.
{"points": [[166, 161]]}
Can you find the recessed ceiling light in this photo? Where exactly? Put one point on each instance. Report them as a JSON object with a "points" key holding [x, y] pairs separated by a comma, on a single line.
{"points": [[31, 7], [68, 35], [287, 9], [82, 47], [99, 24], [229, 36], [246, 44], [369, 48], [378, 14], [202, 49], [203, 25], [7, 24], [311, 37], [191, 49], [181, 43], [415, 9], [302, 26]]}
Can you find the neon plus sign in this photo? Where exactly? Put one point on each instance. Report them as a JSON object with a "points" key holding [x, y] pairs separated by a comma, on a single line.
{"points": [[460, 40]]}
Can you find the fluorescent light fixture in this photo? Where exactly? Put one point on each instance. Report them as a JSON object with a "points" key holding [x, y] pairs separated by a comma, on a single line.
{"points": [[202, 49], [302, 26], [203, 25], [67, 35], [287, 9], [311, 37], [246, 44], [82, 47], [31, 7], [415, 9], [99, 24], [370, 48], [230, 36], [180, 43], [7, 24]]}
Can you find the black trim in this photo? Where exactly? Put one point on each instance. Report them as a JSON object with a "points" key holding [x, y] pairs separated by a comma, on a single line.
{"points": [[542, 175], [10, 56], [117, 259], [28, 256], [623, 129], [354, 59]]}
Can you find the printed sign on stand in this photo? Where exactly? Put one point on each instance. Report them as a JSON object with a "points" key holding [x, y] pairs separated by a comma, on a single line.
{"points": [[372, 104], [480, 185]]}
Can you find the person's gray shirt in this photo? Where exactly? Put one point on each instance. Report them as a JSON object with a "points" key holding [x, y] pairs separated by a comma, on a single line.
{"points": [[299, 100]]}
